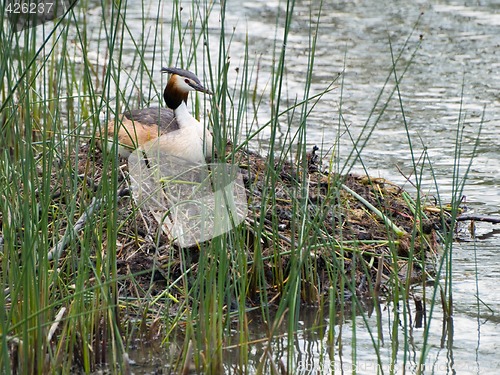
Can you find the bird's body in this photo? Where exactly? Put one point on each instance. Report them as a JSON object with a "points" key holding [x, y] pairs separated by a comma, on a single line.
{"points": [[191, 141], [137, 127], [173, 129]]}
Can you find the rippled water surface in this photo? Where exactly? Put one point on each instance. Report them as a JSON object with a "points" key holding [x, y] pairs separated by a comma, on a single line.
{"points": [[454, 79], [453, 82]]}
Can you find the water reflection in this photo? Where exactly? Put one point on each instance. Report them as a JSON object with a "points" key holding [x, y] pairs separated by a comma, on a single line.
{"points": [[457, 344], [452, 79]]}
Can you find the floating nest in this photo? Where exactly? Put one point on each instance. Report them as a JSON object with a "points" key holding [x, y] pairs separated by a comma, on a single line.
{"points": [[366, 227]]}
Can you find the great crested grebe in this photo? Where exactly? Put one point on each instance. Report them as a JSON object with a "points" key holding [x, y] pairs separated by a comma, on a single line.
{"points": [[177, 132]]}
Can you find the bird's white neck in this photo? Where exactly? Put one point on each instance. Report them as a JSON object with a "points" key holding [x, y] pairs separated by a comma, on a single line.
{"points": [[183, 117], [189, 125]]}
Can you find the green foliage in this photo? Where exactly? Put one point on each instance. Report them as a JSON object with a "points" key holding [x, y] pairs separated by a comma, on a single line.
{"points": [[63, 305]]}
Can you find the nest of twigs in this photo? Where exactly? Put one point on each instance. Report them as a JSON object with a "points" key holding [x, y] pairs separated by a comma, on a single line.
{"points": [[347, 233]]}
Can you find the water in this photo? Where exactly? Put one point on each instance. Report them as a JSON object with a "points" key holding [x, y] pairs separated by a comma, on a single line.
{"points": [[455, 73]]}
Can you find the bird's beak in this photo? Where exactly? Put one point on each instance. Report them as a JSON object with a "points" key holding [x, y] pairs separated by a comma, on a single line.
{"points": [[200, 88]]}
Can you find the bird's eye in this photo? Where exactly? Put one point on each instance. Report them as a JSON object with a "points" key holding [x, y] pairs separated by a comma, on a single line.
{"points": [[187, 81]]}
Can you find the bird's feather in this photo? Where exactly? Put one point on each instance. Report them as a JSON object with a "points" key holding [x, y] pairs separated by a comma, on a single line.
{"points": [[162, 117]]}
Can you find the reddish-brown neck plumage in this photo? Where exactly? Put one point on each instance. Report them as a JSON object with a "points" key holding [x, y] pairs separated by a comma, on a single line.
{"points": [[172, 95]]}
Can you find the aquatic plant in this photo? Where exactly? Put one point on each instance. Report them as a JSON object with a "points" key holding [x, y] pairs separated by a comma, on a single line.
{"points": [[88, 274]]}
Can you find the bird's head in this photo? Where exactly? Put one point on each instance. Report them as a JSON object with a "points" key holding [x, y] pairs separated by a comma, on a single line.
{"points": [[186, 80], [179, 85]]}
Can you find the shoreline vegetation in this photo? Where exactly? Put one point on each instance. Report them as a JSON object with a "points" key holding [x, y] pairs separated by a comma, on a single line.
{"points": [[345, 243], [356, 219], [86, 273]]}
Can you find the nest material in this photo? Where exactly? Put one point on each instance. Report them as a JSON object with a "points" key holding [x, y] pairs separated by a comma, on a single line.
{"points": [[344, 229]]}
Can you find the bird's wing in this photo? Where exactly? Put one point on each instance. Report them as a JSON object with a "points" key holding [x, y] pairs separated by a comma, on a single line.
{"points": [[162, 117]]}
